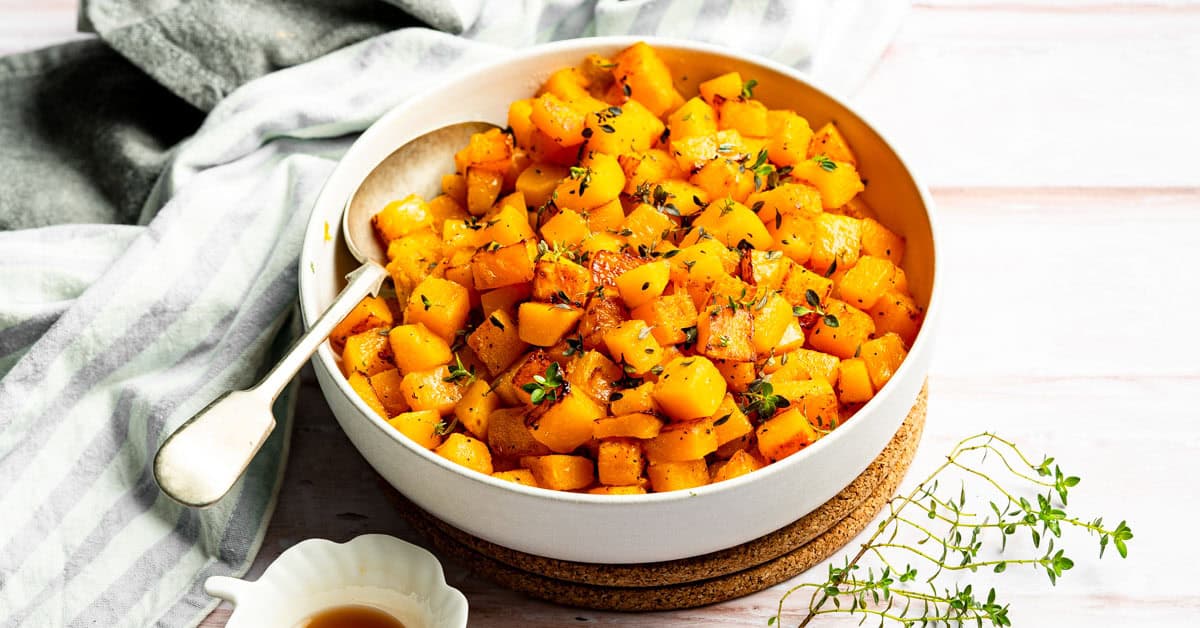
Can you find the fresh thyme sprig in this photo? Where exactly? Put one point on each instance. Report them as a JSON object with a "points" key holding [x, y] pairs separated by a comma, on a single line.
{"points": [[814, 307], [762, 401], [458, 372], [546, 386], [950, 538]]}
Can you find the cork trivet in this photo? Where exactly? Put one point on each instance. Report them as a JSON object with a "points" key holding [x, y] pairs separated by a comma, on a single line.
{"points": [[686, 583]]}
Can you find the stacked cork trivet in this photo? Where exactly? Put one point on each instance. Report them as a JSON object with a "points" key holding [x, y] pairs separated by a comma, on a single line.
{"points": [[685, 583]]}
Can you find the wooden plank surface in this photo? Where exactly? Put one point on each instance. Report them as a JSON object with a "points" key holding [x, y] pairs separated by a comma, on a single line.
{"points": [[1058, 139]]}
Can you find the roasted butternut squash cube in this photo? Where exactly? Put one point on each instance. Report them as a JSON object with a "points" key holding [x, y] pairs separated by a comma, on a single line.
{"points": [[509, 224], [724, 87], [538, 181], [640, 68], [634, 425], [789, 136], [837, 238], [854, 383], [897, 313], [568, 423], [600, 316], [558, 119], [520, 121], [687, 440], [566, 227], [429, 390], [591, 185], [815, 398], [787, 199], [682, 196], [509, 436], [497, 341], [632, 344], [561, 473], [566, 83], [367, 353], [689, 388], [422, 426], [731, 223], [785, 434], [749, 117], [838, 181], [545, 324], [399, 218], [879, 241], [440, 305], [506, 298], [644, 226], [466, 451], [882, 356], [646, 169], [490, 146], [483, 188], [677, 476], [593, 374], [796, 237], [362, 387], [370, 313], [867, 281], [644, 283], [854, 328], [772, 315], [639, 399], [741, 463], [630, 128], [493, 267], [560, 280], [724, 177], [695, 117], [668, 316], [828, 141], [478, 403], [412, 258], [738, 375], [619, 462], [517, 476], [703, 263], [724, 333], [804, 364], [455, 186], [416, 348], [765, 270], [729, 422], [386, 385], [800, 280]]}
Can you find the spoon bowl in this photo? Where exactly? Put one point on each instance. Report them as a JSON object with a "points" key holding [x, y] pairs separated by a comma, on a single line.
{"points": [[204, 457]]}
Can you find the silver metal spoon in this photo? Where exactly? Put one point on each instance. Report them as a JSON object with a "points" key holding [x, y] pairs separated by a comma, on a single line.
{"points": [[202, 460]]}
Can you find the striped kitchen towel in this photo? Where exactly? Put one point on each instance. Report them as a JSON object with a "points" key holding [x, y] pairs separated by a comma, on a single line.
{"points": [[113, 335]]}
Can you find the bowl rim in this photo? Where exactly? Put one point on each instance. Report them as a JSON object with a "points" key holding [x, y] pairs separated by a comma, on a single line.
{"points": [[923, 341]]}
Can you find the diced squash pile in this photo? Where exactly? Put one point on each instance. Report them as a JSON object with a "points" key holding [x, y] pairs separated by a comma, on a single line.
{"points": [[629, 291]]}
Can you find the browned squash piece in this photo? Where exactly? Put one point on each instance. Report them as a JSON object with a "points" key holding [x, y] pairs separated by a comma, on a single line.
{"points": [[882, 356], [509, 437], [561, 473], [725, 333], [370, 313], [619, 462], [561, 280], [367, 353], [677, 476], [493, 267], [593, 374], [648, 79], [497, 341], [854, 328], [898, 313], [599, 317]]}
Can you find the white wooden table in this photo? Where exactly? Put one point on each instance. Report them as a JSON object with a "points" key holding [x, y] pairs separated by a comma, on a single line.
{"points": [[1060, 140]]}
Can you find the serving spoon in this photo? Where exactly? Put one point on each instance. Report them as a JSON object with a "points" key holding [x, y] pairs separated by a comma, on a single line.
{"points": [[202, 460]]}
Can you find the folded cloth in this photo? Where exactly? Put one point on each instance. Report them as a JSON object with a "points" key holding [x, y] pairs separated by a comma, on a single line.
{"points": [[111, 335]]}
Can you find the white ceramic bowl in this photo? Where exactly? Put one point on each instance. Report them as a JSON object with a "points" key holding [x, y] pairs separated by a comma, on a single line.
{"points": [[372, 570], [634, 528]]}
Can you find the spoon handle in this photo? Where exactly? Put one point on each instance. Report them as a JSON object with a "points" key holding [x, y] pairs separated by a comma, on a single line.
{"points": [[203, 459], [364, 280]]}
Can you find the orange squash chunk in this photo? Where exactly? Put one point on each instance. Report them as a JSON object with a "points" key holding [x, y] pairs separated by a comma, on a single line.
{"points": [[467, 451], [422, 426], [367, 353], [740, 463], [620, 462], [854, 328], [854, 383], [677, 476], [568, 423], [882, 356], [633, 425], [689, 440], [370, 313], [897, 313], [785, 434], [561, 473], [362, 386]]}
